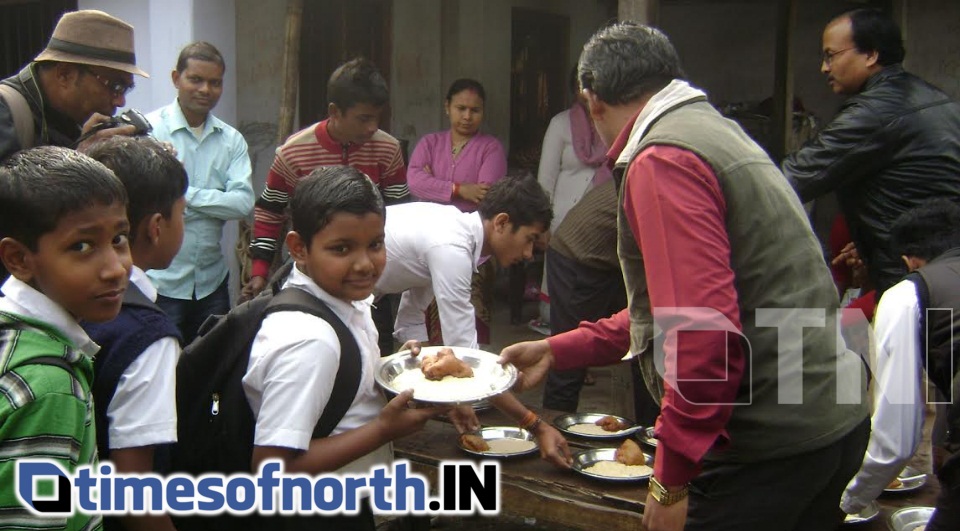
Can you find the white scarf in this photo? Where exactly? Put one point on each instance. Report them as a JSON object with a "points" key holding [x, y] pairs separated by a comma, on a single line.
{"points": [[675, 93]]}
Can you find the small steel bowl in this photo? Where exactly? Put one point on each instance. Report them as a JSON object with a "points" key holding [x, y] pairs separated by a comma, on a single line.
{"points": [[869, 513], [588, 458], [647, 437], [497, 378], [910, 518], [565, 422], [910, 478], [503, 432]]}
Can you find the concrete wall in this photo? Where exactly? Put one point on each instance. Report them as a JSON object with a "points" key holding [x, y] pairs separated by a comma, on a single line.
{"points": [[932, 34], [260, 30], [481, 47], [728, 49], [161, 29]]}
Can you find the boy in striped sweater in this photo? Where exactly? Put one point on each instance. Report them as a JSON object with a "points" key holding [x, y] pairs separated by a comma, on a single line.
{"points": [[350, 136]]}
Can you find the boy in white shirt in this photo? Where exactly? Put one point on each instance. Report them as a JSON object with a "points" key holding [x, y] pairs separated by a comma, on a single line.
{"points": [[135, 371], [433, 251], [337, 244], [915, 330]]}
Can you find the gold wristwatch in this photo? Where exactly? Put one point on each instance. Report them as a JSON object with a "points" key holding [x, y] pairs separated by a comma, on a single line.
{"points": [[664, 497]]}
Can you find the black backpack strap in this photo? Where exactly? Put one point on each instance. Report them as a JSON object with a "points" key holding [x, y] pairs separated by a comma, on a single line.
{"points": [[347, 380], [15, 324]]}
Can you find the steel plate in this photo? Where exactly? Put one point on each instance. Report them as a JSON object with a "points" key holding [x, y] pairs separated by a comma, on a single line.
{"points": [[588, 458], [565, 422], [493, 378], [503, 432]]}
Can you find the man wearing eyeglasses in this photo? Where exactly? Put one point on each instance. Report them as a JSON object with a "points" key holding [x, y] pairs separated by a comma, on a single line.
{"points": [[894, 144], [78, 81]]}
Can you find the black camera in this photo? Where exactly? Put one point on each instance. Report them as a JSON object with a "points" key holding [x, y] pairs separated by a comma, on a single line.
{"points": [[130, 117]]}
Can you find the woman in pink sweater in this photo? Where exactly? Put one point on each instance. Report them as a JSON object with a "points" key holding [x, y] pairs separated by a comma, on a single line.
{"points": [[456, 167]]}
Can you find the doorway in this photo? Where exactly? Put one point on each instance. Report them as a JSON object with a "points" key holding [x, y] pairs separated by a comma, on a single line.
{"points": [[335, 31], [538, 80]]}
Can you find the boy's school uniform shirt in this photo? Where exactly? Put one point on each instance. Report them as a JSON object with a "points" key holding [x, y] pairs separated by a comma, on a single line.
{"points": [[897, 421], [432, 252], [49, 417], [220, 190], [143, 411], [293, 364]]}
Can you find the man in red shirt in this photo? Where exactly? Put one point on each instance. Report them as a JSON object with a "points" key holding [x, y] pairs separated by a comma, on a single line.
{"points": [[731, 308]]}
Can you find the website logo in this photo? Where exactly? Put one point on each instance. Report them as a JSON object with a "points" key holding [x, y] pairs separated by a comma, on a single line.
{"points": [[44, 488]]}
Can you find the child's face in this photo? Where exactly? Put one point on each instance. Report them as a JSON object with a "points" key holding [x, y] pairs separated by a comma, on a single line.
{"points": [[357, 124], [170, 235], [513, 246], [347, 256], [84, 263]]}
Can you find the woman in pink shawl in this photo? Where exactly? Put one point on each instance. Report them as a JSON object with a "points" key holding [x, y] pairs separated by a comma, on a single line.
{"points": [[571, 162], [456, 167]]}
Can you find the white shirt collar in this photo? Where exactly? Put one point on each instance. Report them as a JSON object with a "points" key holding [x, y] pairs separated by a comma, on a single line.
{"points": [[20, 298], [140, 279], [345, 310]]}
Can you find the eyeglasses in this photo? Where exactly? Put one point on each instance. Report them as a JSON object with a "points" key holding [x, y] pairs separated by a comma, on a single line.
{"points": [[827, 57], [117, 88]]}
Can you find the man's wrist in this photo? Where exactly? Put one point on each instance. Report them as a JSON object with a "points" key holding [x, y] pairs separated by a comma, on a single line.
{"points": [[667, 495]]}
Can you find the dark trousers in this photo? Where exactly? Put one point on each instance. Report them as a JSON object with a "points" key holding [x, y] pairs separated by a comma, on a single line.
{"points": [[577, 293], [947, 515], [382, 313], [188, 315], [796, 493]]}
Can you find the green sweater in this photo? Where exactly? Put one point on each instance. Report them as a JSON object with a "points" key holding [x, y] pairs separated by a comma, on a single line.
{"points": [[45, 413]]}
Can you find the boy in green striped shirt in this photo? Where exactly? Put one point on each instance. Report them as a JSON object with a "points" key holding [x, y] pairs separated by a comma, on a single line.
{"points": [[63, 238]]}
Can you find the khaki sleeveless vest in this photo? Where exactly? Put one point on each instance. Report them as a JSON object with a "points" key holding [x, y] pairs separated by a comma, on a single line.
{"points": [[777, 264]]}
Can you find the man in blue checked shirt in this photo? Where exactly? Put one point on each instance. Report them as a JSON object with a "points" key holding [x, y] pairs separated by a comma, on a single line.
{"points": [[215, 156]]}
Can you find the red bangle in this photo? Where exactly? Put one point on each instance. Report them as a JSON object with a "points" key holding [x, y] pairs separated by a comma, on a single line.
{"points": [[528, 419], [456, 190]]}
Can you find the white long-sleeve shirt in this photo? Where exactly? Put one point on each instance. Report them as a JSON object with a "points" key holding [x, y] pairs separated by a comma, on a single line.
{"points": [[432, 251], [897, 420]]}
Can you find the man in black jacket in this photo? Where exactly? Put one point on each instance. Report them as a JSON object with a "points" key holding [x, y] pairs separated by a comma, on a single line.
{"points": [[894, 144], [79, 80]]}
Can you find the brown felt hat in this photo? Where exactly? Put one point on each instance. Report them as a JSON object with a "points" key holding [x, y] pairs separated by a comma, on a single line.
{"points": [[95, 38]]}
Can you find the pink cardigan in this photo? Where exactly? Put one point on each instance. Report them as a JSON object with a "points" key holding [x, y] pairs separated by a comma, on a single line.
{"points": [[482, 160]]}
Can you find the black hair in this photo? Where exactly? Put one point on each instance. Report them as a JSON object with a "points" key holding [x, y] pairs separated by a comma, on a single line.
{"points": [[39, 186], [520, 197], [329, 190], [355, 82], [463, 84], [928, 230], [153, 177], [200, 51], [875, 31], [626, 61], [574, 81]]}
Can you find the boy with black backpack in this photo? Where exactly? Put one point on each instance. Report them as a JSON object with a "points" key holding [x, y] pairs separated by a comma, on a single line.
{"points": [[134, 390], [337, 247]]}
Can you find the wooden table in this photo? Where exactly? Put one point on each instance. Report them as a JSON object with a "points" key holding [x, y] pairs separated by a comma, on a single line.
{"points": [[533, 488]]}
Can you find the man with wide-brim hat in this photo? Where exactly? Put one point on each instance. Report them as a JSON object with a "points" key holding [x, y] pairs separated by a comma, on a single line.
{"points": [[76, 82]]}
